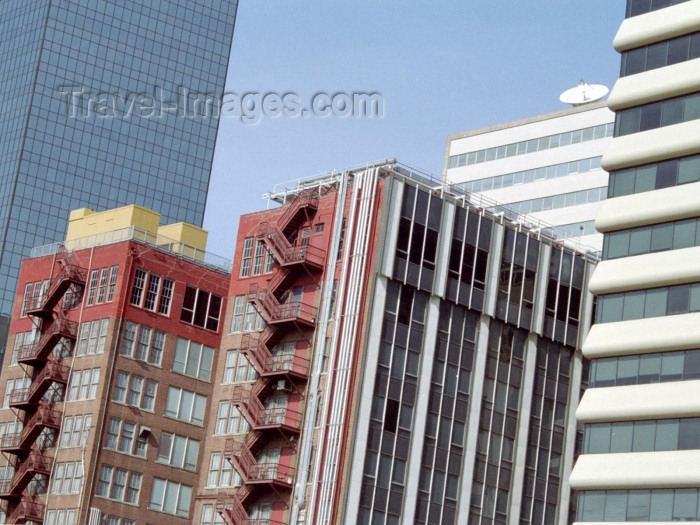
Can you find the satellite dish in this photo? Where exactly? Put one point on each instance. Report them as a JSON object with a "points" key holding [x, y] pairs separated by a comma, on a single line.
{"points": [[584, 93]]}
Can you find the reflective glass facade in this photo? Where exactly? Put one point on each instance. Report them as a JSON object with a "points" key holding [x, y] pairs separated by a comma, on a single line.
{"points": [[75, 130]]}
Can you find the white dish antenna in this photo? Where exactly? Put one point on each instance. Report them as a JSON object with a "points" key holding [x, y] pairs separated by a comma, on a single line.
{"points": [[584, 93]]}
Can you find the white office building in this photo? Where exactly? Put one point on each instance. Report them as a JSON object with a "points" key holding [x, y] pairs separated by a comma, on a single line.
{"points": [[547, 167], [641, 412]]}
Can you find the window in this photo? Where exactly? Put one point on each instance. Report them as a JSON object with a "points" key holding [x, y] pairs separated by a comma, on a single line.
{"points": [[245, 318], [269, 261], [258, 260], [247, 256], [143, 343], [119, 484], [210, 517], [158, 292], [642, 436], [114, 520], [645, 368], [178, 451], [221, 472], [137, 288], [71, 298], [112, 283], [25, 301], [93, 335], [12, 427], [92, 288], [253, 320], [134, 390], [7, 470], [639, 7], [152, 292], [660, 54], [12, 384], [60, 517], [416, 248], [239, 303], [22, 339], [75, 430], [644, 304], [657, 505], [126, 437], [657, 114], [83, 384], [166, 296], [539, 144], [238, 368], [201, 308], [469, 254], [102, 287], [185, 405], [170, 497], [193, 359], [229, 420], [654, 176], [67, 478]]}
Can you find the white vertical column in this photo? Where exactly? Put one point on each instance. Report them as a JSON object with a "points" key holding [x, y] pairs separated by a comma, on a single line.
{"points": [[421, 411], [526, 393], [443, 252], [475, 398], [359, 445], [495, 252], [541, 288], [394, 193]]}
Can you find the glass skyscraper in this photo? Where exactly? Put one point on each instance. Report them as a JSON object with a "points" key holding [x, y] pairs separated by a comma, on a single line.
{"points": [[97, 109]]}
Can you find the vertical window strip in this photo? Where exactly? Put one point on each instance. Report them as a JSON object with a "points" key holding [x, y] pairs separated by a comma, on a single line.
{"points": [[112, 283], [247, 256], [92, 288], [138, 287]]}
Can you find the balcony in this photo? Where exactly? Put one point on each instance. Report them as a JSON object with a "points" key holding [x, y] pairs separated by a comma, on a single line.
{"points": [[287, 254], [36, 463], [27, 510], [43, 305], [36, 353], [269, 365], [275, 313], [260, 418], [18, 442], [234, 513], [25, 398], [301, 208], [253, 472]]}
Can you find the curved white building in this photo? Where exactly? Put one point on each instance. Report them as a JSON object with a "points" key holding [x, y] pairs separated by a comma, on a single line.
{"points": [[641, 414]]}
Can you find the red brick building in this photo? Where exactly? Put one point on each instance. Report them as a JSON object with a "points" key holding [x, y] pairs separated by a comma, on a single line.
{"points": [[107, 382]]}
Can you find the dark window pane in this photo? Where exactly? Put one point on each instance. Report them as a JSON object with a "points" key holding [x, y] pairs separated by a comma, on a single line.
{"points": [[634, 61], [650, 116], [656, 55], [678, 49], [672, 112], [678, 299]]}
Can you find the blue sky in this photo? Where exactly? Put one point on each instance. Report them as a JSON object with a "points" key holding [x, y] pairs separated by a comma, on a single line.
{"points": [[441, 68]]}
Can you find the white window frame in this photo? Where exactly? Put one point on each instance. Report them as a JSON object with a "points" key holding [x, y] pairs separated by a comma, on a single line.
{"points": [[159, 497], [193, 359], [176, 409], [178, 451]]}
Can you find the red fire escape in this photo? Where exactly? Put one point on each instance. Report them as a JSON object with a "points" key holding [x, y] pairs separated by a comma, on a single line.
{"points": [[34, 408], [287, 371]]}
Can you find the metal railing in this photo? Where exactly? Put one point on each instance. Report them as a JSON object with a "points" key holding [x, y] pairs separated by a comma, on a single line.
{"points": [[134, 233]]}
